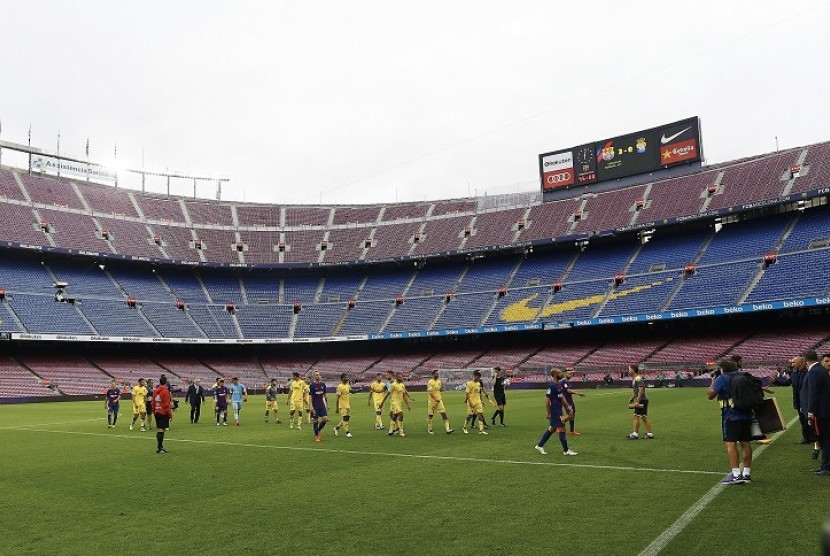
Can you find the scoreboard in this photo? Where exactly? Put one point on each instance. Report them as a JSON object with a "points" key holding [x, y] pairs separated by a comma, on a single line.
{"points": [[619, 157]]}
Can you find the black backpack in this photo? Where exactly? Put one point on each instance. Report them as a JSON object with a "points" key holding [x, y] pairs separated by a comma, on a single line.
{"points": [[747, 392]]}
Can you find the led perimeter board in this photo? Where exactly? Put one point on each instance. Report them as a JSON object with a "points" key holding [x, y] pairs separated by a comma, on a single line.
{"points": [[626, 155]]}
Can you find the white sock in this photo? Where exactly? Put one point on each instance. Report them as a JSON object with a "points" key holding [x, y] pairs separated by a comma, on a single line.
{"points": [[746, 471], [736, 472], [236, 415]]}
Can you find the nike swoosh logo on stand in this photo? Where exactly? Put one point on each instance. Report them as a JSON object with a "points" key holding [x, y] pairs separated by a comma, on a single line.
{"points": [[664, 139]]}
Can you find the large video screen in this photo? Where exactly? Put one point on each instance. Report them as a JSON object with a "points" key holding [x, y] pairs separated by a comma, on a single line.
{"points": [[623, 156]]}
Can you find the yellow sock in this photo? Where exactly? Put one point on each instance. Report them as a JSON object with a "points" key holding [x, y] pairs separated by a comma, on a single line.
{"points": [[447, 425], [480, 425], [346, 425], [400, 427]]}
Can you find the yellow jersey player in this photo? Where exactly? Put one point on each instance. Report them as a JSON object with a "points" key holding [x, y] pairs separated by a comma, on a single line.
{"points": [[139, 394], [307, 399], [435, 403], [343, 404], [376, 393], [271, 401], [397, 395], [297, 389], [473, 399]]}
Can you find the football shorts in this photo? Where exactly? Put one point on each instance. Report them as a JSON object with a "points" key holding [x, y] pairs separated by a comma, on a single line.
{"points": [[436, 407]]}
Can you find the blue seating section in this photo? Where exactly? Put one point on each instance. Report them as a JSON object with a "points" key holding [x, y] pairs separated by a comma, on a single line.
{"points": [[547, 269], [732, 258], [170, 321], [185, 286], [385, 285], [115, 318], [365, 316], [263, 321], [142, 284], [674, 251], [84, 279], [794, 276], [262, 287], [466, 310], [301, 288], [717, 285], [487, 274], [340, 287], [627, 300], [318, 321], [43, 315], [812, 225], [414, 314], [7, 322], [746, 240], [222, 288], [214, 320], [600, 262]]}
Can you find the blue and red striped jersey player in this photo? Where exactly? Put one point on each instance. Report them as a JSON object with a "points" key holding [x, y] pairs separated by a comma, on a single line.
{"points": [[554, 403], [569, 392], [319, 404], [113, 396], [220, 396]]}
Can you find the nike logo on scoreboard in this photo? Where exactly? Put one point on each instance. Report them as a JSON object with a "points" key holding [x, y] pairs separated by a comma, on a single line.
{"points": [[664, 140]]}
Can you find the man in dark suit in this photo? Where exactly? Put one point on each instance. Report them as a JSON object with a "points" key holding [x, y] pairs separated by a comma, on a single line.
{"points": [[195, 397], [798, 372], [818, 405]]}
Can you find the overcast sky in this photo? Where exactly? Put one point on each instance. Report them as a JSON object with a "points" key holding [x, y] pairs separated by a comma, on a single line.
{"points": [[378, 101]]}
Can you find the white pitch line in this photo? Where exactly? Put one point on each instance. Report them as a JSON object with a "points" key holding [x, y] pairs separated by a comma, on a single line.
{"points": [[388, 454], [658, 544]]}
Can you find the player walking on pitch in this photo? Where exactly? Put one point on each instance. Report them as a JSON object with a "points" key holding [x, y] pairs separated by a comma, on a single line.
{"points": [[139, 394], [376, 394], [271, 402], [318, 404], [296, 400], [554, 403], [435, 403], [343, 404], [220, 397], [239, 395], [113, 396], [473, 399], [397, 395], [639, 403], [569, 397]]}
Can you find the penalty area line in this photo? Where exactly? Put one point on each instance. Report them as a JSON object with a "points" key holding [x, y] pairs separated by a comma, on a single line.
{"points": [[663, 539], [383, 454]]}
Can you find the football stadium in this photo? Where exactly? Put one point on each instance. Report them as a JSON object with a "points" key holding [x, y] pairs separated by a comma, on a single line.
{"points": [[373, 378]]}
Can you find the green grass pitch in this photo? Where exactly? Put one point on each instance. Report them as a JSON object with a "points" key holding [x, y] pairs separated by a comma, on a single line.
{"points": [[72, 486]]}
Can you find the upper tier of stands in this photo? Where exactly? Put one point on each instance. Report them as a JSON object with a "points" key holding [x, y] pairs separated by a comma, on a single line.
{"points": [[45, 211], [616, 278]]}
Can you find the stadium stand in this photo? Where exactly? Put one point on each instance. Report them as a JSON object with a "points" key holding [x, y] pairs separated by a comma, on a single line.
{"points": [[759, 257]]}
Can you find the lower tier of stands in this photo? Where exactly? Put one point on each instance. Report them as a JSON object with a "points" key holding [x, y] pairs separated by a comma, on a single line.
{"points": [[38, 374]]}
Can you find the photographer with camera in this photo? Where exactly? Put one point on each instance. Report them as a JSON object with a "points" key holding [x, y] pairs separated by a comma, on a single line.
{"points": [[736, 423]]}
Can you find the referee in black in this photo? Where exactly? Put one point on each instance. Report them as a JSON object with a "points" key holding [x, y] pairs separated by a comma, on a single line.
{"points": [[499, 397]]}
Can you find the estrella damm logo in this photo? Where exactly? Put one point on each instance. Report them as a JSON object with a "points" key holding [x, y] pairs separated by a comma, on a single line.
{"points": [[521, 311]]}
